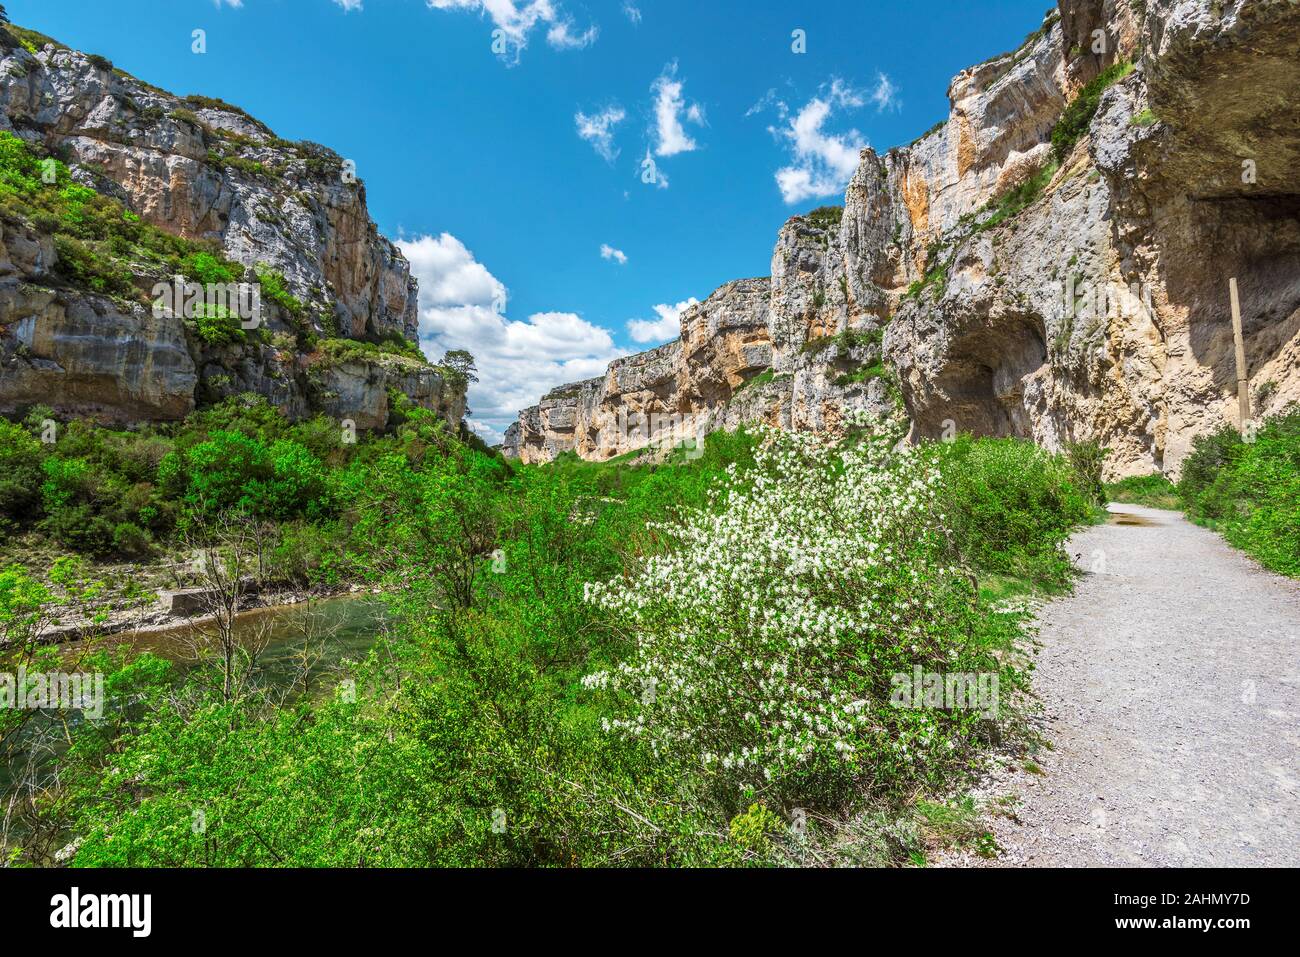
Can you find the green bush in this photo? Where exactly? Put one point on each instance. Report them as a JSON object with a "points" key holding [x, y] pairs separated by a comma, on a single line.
{"points": [[1010, 507], [1086, 459], [232, 471], [1250, 491], [100, 244], [20, 474], [473, 738], [130, 539]]}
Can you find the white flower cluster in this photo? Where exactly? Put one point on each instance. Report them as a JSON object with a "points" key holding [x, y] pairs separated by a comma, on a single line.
{"points": [[769, 631]]}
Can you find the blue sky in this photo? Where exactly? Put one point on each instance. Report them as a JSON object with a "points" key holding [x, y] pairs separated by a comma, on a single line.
{"points": [[503, 142]]}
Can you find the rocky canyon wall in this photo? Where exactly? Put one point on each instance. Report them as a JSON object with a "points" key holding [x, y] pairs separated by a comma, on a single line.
{"points": [[983, 280], [205, 171]]}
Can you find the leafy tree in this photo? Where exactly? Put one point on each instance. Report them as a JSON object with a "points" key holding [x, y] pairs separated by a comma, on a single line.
{"points": [[461, 365]]}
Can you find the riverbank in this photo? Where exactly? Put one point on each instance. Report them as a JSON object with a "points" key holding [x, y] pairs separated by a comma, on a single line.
{"points": [[113, 598], [157, 619]]}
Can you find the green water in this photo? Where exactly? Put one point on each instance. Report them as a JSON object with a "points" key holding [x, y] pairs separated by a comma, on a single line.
{"points": [[333, 629]]}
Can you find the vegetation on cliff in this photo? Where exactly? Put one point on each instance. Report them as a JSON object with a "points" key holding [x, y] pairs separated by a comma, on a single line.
{"points": [[101, 245], [1076, 119]]}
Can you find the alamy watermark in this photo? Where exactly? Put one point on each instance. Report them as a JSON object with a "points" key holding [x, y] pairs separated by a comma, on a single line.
{"points": [[1110, 299], [657, 430], [954, 691], [192, 300], [53, 690]]}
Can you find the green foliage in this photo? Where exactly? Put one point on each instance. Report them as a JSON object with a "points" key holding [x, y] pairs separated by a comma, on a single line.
{"points": [[1145, 118], [1020, 198], [213, 103], [825, 217], [1010, 507], [1076, 119], [31, 40], [1154, 491], [217, 325], [339, 351], [232, 471], [206, 268], [936, 278], [1250, 491], [472, 739], [20, 474], [1087, 460], [276, 290], [101, 245], [236, 162]]}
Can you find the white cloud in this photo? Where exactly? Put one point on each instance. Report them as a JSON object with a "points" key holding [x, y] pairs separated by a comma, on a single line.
{"points": [[562, 37], [516, 19], [821, 163], [885, 95], [765, 102], [632, 12], [598, 129], [462, 307], [349, 5], [670, 109], [667, 326], [609, 252], [230, 3]]}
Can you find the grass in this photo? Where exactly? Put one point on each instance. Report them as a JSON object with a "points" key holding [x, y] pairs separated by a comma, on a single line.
{"points": [[866, 373], [760, 380], [1153, 491], [848, 339]]}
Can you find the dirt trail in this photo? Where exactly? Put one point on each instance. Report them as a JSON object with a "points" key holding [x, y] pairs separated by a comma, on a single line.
{"points": [[1170, 682]]}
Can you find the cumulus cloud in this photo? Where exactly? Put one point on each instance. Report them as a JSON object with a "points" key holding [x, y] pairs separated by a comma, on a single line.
{"points": [[598, 129], [632, 12], [462, 306], [667, 326], [349, 5], [821, 162], [609, 252], [670, 110], [517, 19]]}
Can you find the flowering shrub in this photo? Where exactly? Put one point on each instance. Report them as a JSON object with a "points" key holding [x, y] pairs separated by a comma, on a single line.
{"points": [[766, 640]]}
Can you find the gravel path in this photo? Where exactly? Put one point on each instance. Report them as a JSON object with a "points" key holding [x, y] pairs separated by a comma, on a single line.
{"points": [[1170, 682]]}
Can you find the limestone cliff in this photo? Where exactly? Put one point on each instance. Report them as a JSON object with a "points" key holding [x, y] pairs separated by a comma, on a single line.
{"points": [[207, 172], [989, 281]]}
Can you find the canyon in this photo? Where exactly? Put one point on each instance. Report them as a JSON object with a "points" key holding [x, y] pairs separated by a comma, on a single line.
{"points": [[206, 172], [1000, 278]]}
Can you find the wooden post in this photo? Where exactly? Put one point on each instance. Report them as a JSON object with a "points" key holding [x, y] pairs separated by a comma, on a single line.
{"points": [[1243, 381]]}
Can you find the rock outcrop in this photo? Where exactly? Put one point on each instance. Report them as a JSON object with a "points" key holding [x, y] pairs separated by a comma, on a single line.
{"points": [[205, 171], [988, 281]]}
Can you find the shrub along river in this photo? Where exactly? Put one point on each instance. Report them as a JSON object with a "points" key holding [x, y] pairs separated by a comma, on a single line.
{"points": [[313, 637]]}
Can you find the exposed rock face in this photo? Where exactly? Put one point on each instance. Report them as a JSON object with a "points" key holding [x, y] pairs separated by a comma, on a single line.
{"points": [[204, 171], [1085, 302], [669, 393]]}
